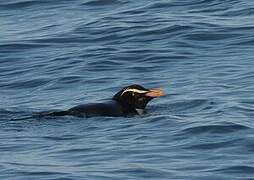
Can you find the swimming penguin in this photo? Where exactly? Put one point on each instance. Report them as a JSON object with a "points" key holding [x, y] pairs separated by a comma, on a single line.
{"points": [[131, 100]]}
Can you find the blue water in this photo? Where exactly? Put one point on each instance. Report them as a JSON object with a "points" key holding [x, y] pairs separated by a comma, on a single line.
{"points": [[58, 54]]}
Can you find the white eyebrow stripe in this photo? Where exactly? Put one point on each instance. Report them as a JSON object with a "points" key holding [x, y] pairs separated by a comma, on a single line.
{"points": [[134, 90]]}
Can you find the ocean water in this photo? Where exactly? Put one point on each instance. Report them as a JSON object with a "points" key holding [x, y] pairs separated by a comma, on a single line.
{"points": [[58, 54]]}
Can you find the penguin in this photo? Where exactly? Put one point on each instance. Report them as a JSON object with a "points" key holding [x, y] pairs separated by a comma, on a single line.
{"points": [[129, 101]]}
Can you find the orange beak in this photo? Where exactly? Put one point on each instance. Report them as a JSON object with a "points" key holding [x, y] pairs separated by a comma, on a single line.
{"points": [[155, 93]]}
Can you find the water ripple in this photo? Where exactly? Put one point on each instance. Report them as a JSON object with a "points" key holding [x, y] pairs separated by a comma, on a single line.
{"points": [[227, 128]]}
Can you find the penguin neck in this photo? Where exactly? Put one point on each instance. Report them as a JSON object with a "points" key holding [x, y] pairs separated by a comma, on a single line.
{"points": [[126, 108], [140, 111]]}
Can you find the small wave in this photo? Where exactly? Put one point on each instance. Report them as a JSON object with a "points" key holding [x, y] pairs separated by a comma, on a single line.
{"points": [[26, 84], [217, 129], [101, 2], [62, 138], [14, 115], [19, 47], [22, 4], [243, 169], [57, 40], [191, 106], [210, 36], [172, 30], [241, 110], [74, 150], [210, 146], [143, 172], [239, 12]]}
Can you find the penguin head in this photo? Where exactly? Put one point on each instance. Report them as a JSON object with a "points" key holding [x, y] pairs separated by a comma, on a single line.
{"points": [[134, 98]]}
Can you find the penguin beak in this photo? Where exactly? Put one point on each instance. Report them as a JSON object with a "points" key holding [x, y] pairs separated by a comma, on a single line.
{"points": [[154, 93]]}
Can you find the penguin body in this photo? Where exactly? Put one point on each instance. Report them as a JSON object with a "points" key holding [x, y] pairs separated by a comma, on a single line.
{"points": [[110, 108], [131, 100]]}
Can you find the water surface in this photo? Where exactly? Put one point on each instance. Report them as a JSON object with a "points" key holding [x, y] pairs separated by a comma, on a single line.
{"points": [[57, 54]]}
